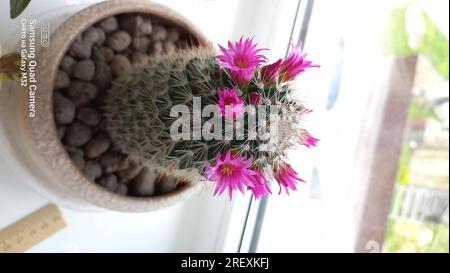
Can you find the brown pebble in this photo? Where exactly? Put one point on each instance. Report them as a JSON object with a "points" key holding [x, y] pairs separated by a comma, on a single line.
{"points": [[81, 93], [159, 33], [109, 182], [141, 44], [109, 24], [110, 162], [122, 189], [76, 155], [74, 150], [89, 116], [173, 35], [102, 54], [62, 80], [78, 134], [66, 64], [78, 160], [144, 28], [97, 146], [124, 163], [128, 22], [129, 173], [79, 49], [94, 35], [118, 41], [169, 47], [135, 24], [63, 109], [92, 170], [144, 183], [83, 70], [166, 184], [103, 75], [138, 57], [120, 65], [156, 49]]}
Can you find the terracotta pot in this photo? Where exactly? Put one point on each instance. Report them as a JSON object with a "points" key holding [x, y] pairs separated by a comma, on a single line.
{"points": [[44, 152]]}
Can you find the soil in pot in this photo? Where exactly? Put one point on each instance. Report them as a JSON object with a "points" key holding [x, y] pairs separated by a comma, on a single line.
{"points": [[99, 55]]}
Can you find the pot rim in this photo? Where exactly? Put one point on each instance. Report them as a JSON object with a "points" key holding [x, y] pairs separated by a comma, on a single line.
{"points": [[49, 150]]}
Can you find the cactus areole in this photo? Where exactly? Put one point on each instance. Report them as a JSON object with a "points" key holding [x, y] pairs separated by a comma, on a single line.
{"points": [[226, 116]]}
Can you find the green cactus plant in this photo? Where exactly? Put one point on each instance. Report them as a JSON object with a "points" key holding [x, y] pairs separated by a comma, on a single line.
{"points": [[137, 108], [139, 117]]}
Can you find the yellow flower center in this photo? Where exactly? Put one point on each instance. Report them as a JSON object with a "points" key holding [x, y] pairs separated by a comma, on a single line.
{"points": [[227, 169], [241, 63], [229, 101]]}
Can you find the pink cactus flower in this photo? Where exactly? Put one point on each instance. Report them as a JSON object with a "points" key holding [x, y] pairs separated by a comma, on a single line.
{"points": [[295, 64], [309, 140], [230, 103], [241, 58], [270, 72], [261, 188], [307, 110], [230, 172], [287, 178], [255, 98]]}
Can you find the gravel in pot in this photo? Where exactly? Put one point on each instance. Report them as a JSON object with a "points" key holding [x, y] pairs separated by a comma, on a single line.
{"points": [[103, 52]]}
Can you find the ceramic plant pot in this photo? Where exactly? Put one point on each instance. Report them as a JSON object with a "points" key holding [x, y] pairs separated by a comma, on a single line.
{"points": [[40, 146]]}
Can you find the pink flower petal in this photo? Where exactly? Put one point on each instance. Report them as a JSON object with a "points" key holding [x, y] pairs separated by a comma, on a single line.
{"points": [[287, 178], [294, 64], [241, 58], [230, 103], [231, 172]]}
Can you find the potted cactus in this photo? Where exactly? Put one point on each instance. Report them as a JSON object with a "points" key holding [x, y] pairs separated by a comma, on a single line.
{"points": [[224, 117], [136, 110]]}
